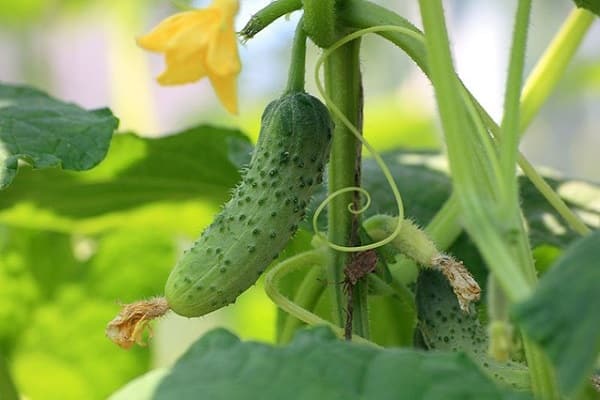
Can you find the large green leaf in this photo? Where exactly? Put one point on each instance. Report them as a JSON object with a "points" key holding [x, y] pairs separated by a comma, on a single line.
{"points": [[562, 315], [49, 133], [164, 183], [315, 365], [64, 354]]}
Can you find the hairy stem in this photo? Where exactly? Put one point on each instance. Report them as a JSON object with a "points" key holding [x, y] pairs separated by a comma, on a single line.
{"points": [[553, 63], [273, 282], [267, 15], [297, 64], [507, 259], [343, 87], [509, 146]]}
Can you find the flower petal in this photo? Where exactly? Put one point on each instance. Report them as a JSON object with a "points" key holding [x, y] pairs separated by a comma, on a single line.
{"points": [[182, 67], [169, 32], [222, 56], [226, 89]]}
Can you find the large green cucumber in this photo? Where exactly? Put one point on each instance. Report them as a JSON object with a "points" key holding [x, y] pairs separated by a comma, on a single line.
{"points": [[263, 212]]}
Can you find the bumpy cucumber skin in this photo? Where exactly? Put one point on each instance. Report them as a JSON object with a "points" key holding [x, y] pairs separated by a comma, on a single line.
{"points": [[263, 212]]}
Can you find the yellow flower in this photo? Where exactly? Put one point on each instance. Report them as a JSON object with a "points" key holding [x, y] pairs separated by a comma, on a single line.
{"points": [[200, 43]]}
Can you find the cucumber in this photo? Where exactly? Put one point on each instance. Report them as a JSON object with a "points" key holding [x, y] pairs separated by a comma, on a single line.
{"points": [[263, 212], [445, 327]]}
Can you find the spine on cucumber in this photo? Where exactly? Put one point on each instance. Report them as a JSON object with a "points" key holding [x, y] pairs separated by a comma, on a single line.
{"points": [[263, 212]]}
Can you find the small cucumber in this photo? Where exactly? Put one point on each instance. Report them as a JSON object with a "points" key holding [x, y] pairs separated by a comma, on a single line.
{"points": [[263, 212], [445, 327]]}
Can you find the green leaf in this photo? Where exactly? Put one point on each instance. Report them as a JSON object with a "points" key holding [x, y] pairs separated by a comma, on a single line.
{"points": [[8, 391], [591, 5], [131, 264], [172, 183], [65, 342], [562, 314], [49, 133], [315, 365], [445, 327], [423, 180]]}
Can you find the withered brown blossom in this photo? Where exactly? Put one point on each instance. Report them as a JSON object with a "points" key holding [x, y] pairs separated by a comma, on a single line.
{"points": [[463, 284], [128, 326]]}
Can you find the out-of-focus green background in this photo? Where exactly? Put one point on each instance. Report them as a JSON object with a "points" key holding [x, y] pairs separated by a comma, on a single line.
{"points": [[58, 288]]}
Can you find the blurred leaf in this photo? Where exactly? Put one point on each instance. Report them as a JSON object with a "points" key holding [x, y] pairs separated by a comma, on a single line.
{"points": [[49, 133], [445, 327], [69, 333], [21, 11], [591, 5], [424, 184], [18, 296], [48, 256], [55, 379], [315, 365], [141, 183], [562, 314], [33, 266], [131, 264], [8, 391]]}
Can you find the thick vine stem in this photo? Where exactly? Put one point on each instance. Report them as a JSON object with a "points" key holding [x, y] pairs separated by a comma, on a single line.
{"points": [[320, 21], [273, 282], [267, 15], [344, 92], [350, 127]]}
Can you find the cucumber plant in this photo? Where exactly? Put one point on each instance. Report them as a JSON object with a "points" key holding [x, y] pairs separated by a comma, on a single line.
{"points": [[297, 138]]}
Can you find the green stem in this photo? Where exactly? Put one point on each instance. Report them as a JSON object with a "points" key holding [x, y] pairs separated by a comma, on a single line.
{"points": [[509, 146], [273, 282], [307, 296], [538, 181], [479, 214], [364, 14], [553, 63], [296, 73], [445, 227], [543, 381], [320, 21], [8, 391], [343, 87], [553, 198], [545, 75], [267, 15]]}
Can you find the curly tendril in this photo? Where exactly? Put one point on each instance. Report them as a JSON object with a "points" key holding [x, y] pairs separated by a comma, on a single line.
{"points": [[386, 172]]}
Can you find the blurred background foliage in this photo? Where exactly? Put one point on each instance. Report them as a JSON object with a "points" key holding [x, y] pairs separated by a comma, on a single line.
{"points": [[65, 266]]}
